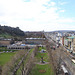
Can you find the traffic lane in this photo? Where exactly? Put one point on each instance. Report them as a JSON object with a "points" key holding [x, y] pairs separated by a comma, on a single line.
{"points": [[70, 66]]}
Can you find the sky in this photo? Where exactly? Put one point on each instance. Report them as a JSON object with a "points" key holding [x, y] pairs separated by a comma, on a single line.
{"points": [[38, 15]]}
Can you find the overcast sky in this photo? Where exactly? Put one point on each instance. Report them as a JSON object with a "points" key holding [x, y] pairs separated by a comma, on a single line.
{"points": [[37, 15]]}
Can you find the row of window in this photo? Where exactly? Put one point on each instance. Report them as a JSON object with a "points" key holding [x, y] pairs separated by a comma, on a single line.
{"points": [[16, 48]]}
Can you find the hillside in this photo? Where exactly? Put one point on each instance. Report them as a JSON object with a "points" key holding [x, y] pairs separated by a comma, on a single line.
{"points": [[7, 32]]}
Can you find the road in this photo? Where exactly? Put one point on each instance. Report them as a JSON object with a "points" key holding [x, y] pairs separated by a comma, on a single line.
{"points": [[65, 56]]}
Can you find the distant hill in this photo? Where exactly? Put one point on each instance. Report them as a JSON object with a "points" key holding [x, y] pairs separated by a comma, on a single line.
{"points": [[62, 31], [6, 31]]}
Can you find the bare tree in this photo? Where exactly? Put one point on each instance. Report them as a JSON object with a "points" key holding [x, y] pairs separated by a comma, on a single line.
{"points": [[8, 68]]}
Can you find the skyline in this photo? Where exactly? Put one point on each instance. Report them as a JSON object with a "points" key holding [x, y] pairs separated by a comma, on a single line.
{"points": [[38, 15]]}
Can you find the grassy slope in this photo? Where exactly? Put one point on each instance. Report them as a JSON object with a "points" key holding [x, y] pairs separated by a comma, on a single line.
{"points": [[46, 67], [6, 35], [5, 57]]}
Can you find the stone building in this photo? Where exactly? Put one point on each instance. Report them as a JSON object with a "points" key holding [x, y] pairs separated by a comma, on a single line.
{"points": [[5, 42], [34, 41]]}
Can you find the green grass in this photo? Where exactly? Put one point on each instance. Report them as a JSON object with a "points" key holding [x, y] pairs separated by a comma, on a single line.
{"points": [[28, 56], [5, 57], [46, 67], [44, 55], [37, 68], [42, 48]]}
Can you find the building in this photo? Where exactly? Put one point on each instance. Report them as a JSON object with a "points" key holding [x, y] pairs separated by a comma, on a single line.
{"points": [[6, 42], [34, 41], [69, 43]]}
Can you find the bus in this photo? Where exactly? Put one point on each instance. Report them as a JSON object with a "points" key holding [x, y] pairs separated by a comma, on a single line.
{"points": [[73, 60], [65, 72]]}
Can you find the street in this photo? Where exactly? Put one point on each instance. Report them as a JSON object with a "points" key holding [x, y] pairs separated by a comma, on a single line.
{"points": [[63, 55]]}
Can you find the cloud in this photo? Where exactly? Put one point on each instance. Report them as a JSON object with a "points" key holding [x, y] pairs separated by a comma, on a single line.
{"points": [[31, 14], [63, 3], [53, 3], [66, 20], [62, 11]]}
